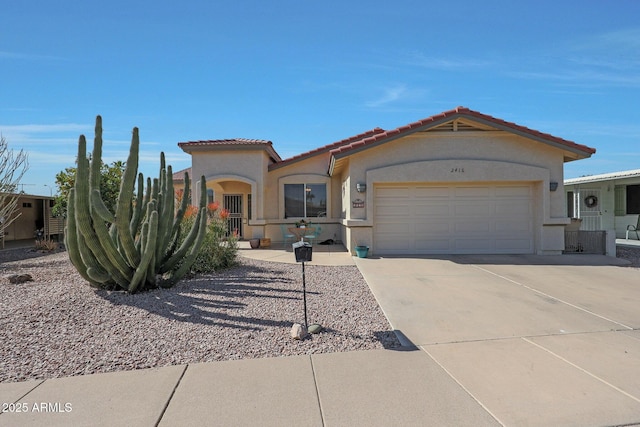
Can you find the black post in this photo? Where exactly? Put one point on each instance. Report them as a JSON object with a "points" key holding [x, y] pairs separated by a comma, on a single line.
{"points": [[304, 297]]}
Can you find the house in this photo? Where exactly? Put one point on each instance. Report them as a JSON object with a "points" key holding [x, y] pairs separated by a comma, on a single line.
{"points": [[33, 220], [453, 183], [609, 201]]}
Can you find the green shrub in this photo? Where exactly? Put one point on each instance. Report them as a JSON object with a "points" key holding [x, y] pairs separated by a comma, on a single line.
{"points": [[219, 249]]}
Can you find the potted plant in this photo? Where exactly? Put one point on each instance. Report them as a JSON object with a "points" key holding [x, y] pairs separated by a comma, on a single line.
{"points": [[362, 251]]}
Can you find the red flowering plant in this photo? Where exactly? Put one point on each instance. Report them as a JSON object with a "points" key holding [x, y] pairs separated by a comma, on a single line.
{"points": [[220, 246]]}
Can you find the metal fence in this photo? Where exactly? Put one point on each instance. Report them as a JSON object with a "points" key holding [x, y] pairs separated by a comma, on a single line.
{"points": [[585, 242]]}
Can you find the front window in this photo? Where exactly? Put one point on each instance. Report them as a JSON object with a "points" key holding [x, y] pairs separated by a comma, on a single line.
{"points": [[305, 200], [633, 199]]}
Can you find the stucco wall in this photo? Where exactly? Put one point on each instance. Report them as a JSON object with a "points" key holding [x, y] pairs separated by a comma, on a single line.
{"points": [[307, 171], [24, 226]]}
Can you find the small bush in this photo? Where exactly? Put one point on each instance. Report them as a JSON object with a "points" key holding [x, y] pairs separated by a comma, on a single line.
{"points": [[46, 245], [219, 250]]}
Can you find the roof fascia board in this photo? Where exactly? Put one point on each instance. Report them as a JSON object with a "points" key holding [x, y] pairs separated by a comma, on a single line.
{"points": [[232, 147], [596, 178], [401, 134], [528, 135]]}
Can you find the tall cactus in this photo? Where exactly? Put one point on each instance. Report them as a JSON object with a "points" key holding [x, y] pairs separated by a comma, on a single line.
{"points": [[136, 248]]}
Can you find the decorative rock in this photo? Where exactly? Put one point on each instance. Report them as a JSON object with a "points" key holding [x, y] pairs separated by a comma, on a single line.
{"points": [[315, 328], [298, 331], [20, 278]]}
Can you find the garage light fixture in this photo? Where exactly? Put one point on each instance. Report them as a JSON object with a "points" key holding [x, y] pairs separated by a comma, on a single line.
{"points": [[553, 186], [361, 188]]}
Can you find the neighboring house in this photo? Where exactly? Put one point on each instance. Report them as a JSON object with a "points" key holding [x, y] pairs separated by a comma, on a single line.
{"points": [[456, 182], [32, 211], [609, 201]]}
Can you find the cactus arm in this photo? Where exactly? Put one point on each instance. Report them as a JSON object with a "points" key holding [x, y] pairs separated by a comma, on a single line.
{"points": [[99, 207], [151, 228], [118, 266], [98, 276], [137, 210], [179, 254], [189, 259], [125, 198], [71, 241]]}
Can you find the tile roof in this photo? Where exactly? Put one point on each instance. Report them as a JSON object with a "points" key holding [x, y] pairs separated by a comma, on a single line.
{"points": [[179, 176], [603, 177], [326, 148], [232, 143], [447, 116]]}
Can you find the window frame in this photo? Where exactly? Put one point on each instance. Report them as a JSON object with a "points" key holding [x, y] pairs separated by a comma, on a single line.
{"points": [[306, 187], [304, 179], [632, 199]]}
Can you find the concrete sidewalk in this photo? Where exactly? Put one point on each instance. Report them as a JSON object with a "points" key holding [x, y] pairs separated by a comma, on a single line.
{"points": [[368, 388]]}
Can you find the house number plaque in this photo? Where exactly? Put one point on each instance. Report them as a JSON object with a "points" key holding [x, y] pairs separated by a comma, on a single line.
{"points": [[358, 203]]}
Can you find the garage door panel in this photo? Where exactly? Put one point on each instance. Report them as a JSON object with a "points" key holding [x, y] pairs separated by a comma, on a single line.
{"points": [[512, 207], [472, 244], [475, 192], [394, 228], [393, 245], [433, 227], [472, 227], [513, 244], [471, 209], [514, 226], [432, 192], [433, 245], [513, 191], [437, 208], [392, 192], [456, 218]]}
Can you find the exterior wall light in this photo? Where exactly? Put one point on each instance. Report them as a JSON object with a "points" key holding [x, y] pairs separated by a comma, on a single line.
{"points": [[553, 186], [361, 188]]}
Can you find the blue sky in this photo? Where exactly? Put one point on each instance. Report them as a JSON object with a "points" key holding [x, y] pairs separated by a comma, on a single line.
{"points": [[305, 74]]}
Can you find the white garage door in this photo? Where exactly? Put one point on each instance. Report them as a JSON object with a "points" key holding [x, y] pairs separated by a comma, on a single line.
{"points": [[453, 219]]}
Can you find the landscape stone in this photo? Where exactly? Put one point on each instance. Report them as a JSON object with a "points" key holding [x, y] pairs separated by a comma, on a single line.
{"points": [[298, 331], [20, 278]]}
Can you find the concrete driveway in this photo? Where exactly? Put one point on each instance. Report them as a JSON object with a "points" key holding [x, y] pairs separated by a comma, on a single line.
{"points": [[534, 340]]}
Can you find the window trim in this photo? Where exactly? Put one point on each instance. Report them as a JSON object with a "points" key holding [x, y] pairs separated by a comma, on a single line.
{"points": [[632, 208], [303, 179], [305, 187]]}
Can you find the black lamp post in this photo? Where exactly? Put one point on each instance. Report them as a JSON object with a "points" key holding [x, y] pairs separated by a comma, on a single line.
{"points": [[303, 251]]}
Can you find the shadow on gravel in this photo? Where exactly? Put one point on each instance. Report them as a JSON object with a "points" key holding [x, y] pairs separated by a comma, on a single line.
{"points": [[13, 255], [215, 299]]}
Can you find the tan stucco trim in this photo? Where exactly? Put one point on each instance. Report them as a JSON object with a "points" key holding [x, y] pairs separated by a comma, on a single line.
{"points": [[256, 195]]}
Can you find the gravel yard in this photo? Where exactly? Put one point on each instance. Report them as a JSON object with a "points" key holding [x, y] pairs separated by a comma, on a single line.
{"points": [[58, 326]]}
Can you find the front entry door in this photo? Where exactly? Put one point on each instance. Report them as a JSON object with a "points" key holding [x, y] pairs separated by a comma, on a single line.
{"points": [[233, 203], [590, 210]]}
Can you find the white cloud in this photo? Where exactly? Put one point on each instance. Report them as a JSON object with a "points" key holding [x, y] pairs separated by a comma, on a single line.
{"points": [[390, 95], [48, 128]]}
